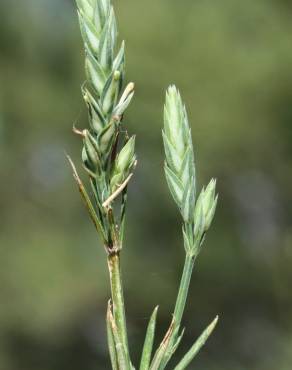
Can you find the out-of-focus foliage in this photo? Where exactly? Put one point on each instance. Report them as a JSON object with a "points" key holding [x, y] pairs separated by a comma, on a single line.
{"points": [[232, 61]]}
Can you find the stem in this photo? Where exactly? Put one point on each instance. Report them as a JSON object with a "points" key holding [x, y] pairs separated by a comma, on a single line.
{"points": [[118, 299], [183, 289], [179, 305]]}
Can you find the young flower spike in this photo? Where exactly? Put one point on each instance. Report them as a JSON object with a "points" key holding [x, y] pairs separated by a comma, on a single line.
{"points": [[179, 164], [181, 173]]}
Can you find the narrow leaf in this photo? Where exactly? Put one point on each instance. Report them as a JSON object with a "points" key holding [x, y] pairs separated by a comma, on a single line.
{"points": [[110, 340], [121, 357], [177, 343], [168, 354], [187, 359], [162, 348], [87, 201], [148, 344]]}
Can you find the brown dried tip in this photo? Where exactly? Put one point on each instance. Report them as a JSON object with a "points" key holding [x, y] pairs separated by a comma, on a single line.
{"points": [[79, 132], [129, 88]]}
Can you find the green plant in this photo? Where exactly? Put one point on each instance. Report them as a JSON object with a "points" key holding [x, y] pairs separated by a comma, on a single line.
{"points": [[109, 160]]}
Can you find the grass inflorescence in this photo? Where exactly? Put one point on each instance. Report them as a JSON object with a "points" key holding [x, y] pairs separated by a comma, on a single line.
{"points": [[109, 159]]}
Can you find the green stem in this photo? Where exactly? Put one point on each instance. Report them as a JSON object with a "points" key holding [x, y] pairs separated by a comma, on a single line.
{"points": [[118, 300], [183, 289], [179, 305]]}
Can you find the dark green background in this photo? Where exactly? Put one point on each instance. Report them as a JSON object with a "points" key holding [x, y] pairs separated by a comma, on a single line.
{"points": [[232, 60]]}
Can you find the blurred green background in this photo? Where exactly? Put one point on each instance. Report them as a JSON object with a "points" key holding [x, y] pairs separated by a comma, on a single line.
{"points": [[232, 61]]}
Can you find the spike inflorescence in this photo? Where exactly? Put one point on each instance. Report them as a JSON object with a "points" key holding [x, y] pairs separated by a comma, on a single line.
{"points": [[107, 168]]}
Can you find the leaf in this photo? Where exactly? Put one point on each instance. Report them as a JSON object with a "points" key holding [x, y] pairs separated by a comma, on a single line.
{"points": [[162, 348], [121, 357], [177, 343], [87, 202], [169, 353], [187, 359], [110, 339], [148, 344], [174, 184]]}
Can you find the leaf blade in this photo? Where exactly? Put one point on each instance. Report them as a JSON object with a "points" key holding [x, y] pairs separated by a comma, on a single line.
{"points": [[158, 357], [110, 339], [148, 343], [193, 351], [87, 201], [121, 356]]}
